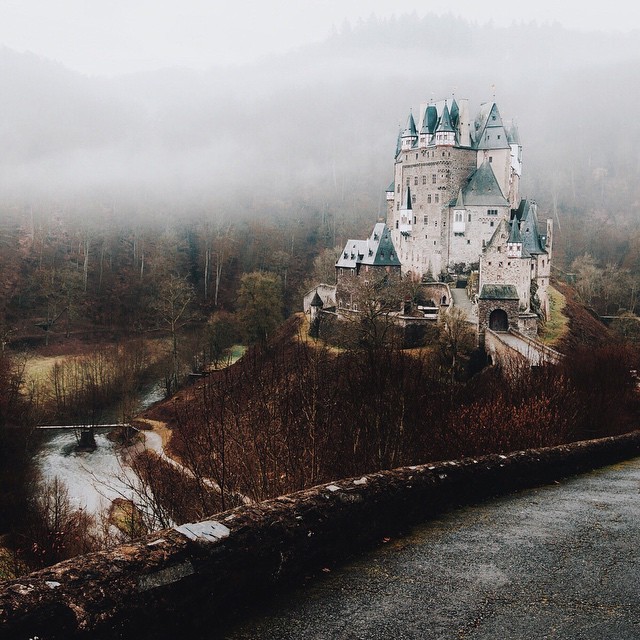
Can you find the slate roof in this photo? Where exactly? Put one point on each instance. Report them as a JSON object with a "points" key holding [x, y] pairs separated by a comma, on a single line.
{"points": [[531, 241], [410, 129], [377, 250], [445, 121], [316, 301], [490, 132], [482, 188], [499, 292]]}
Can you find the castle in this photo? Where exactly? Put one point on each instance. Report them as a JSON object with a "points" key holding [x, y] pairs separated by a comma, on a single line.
{"points": [[454, 206], [455, 203]]}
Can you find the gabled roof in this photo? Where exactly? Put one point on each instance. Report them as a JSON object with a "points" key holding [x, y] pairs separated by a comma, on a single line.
{"points": [[377, 250], [490, 132], [482, 188], [499, 292], [316, 301], [380, 251]]}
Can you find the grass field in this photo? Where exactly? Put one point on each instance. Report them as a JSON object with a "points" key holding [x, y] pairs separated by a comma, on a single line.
{"points": [[556, 327]]}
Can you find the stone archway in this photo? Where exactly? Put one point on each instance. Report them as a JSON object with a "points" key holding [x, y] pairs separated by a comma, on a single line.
{"points": [[499, 320]]}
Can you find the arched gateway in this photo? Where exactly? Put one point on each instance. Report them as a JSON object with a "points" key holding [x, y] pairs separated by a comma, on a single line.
{"points": [[498, 320]]}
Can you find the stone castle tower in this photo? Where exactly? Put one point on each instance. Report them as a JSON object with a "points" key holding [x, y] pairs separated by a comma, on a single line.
{"points": [[456, 196]]}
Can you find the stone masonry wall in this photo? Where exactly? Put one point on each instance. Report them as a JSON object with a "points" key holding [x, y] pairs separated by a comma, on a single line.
{"points": [[193, 575]]}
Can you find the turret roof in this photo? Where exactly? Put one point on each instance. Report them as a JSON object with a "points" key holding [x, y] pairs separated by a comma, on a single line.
{"points": [[514, 235], [531, 240], [410, 129], [445, 121]]}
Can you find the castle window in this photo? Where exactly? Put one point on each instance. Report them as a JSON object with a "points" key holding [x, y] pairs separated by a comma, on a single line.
{"points": [[425, 220], [443, 154], [426, 237], [398, 188], [490, 159], [500, 264], [469, 218], [415, 180], [429, 199], [491, 223], [414, 219], [408, 178], [424, 179], [434, 243], [492, 212], [543, 263], [437, 197], [435, 224], [396, 224], [489, 262], [458, 234], [413, 198], [532, 266], [468, 241], [417, 154], [398, 206], [434, 177], [498, 136], [458, 216]]}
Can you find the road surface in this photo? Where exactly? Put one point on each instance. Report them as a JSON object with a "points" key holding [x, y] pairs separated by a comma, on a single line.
{"points": [[557, 562]]}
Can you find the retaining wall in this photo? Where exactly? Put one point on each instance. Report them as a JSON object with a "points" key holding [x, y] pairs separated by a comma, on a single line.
{"points": [[196, 574]]}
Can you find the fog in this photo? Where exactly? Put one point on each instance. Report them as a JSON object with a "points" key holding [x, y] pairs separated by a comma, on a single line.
{"points": [[314, 126]]}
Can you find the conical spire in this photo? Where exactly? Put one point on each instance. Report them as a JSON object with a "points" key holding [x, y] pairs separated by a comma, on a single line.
{"points": [[410, 129], [407, 204], [514, 236], [445, 122]]}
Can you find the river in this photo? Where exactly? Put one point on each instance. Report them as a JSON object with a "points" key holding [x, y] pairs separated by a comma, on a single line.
{"points": [[92, 478]]}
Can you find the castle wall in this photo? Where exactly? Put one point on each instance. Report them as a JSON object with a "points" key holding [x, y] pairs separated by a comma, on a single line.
{"points": [[486, 307], [434, 180], [479, 227]]}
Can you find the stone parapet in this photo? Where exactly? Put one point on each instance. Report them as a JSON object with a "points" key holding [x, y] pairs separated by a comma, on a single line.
{"points": [[195, 574]]}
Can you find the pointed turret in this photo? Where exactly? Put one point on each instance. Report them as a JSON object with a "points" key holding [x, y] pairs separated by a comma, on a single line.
{"points": [[455, 114], [445, 133], [410, 133], [431, 116], [399, 143], [514, 243]]}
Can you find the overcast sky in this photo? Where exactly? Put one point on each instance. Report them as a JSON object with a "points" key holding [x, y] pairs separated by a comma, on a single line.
{"points": [[116, 36]]}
